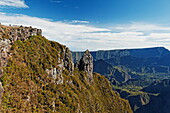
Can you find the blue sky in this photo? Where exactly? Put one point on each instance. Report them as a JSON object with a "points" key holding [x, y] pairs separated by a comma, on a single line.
{"points": [[102, 12], [94, 24]]}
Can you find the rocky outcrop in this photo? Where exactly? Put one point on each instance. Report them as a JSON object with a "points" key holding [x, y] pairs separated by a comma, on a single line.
{"points": [[68, 61], [86, 64], [1, 91], [5, 46], [14, 33], [64, 62], [55, 74]]}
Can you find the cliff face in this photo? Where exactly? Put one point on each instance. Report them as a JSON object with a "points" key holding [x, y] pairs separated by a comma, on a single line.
{"points": [[64, 62], [108, 54], [39, 76]]}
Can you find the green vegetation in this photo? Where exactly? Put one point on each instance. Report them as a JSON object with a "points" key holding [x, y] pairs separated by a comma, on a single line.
{"points": [[28, 88]]}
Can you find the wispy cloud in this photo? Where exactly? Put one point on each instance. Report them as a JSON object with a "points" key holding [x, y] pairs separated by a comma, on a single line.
{"points": [[82, 37], [56, 1], [139, 26], [79, 22], [13, 3]]}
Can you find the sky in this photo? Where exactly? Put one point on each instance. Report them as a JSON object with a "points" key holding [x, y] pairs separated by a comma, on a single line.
{"points": [[94, 24]]}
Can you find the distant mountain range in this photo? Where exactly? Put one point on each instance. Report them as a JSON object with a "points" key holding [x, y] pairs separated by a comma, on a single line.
{"points": [[139, 53], [134, 61], [140, 75]]}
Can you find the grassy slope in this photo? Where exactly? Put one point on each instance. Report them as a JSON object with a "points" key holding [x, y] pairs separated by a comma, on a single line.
{"points": [[29, 89]]}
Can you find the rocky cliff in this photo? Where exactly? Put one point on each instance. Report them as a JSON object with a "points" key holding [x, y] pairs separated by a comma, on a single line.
{"points": [[38, 75]]}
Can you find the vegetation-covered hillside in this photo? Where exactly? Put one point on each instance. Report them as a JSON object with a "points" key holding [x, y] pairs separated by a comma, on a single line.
{"points": [[39, 78]]}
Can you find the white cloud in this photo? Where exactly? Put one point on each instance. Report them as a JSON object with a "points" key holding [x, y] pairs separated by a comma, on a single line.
{"points": [[82, 37], [13, 3]]}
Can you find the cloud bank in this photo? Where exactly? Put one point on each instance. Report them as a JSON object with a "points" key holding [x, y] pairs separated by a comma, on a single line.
{"points": [[13, 3], [82, 37]]}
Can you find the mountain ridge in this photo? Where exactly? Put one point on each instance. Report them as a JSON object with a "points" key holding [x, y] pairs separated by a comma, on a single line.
{"points": [[107, 54]]}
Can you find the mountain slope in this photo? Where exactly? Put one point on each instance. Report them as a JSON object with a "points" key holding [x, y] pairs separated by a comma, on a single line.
{"points": [[160, 103], [40, 77]]}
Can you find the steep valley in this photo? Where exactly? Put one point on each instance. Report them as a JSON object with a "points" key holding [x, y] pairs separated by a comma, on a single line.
{"points": [[139, 75]]}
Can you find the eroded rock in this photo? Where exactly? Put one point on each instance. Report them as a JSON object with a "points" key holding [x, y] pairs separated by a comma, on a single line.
{"points": [[86, 64]]}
